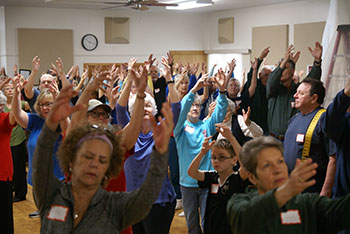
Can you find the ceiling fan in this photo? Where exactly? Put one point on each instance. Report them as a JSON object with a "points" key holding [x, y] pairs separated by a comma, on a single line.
{"points": [[138, 4], [134, 4]]}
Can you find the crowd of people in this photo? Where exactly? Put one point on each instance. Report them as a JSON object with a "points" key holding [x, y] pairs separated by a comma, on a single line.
{"points": [[119, 149]]}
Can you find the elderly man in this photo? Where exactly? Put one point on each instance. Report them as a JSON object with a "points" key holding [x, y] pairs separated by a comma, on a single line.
{"points": [[190, 133], [30, 93], [280, 90], [304, 137], [336, 124], [278, 206]]}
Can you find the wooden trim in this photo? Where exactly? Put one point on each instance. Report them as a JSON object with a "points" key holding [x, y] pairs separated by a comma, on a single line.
{"points": [[187, 52]]}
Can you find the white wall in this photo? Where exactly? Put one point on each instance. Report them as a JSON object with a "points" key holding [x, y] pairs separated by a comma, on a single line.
{"points": [[246, 19], [149, 32], [2, 38], [157, 32]]}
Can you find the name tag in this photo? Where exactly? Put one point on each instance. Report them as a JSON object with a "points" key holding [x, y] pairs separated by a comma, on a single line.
{"points": [[58, 213], [300, 138], [214, 189], [156, 90], [290, 217], [189, 129]]}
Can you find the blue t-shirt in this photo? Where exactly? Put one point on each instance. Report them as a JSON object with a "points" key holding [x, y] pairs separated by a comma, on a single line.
{"points": [[321, 146], [35, 124]]}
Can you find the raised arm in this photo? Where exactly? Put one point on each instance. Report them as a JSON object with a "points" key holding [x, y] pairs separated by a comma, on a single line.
{"points": [[253, 83], [193, 168], [335, 123], [174, 97], [28, 87], [44, 181], [316, 71], [137, 204], [20, 115], [80, 117], [275, 76], [132, 130]]}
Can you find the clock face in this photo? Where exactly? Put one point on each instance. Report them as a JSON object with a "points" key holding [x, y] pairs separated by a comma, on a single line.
{"points": [[89, 42]]}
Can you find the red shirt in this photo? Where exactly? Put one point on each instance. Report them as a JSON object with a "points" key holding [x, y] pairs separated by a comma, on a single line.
{"points": [[6, 167]]}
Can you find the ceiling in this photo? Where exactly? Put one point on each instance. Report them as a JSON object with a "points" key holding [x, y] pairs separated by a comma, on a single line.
{"points": [[219, 5]]}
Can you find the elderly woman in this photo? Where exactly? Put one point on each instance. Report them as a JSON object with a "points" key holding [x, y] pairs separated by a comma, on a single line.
{"points": [[278, 206], [137, 165], [90, 155], [33, 122]]}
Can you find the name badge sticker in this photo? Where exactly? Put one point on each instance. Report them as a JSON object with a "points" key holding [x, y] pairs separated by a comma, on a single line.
{"points": [[290, 217], [58, 213], [189, 129], [300, 138], [156, 90], [214, 189]]}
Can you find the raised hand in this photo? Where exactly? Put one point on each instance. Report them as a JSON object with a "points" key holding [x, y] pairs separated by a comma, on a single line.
{"points": [[264, 53], [54, 89], [150, 62], [224, 130], [317, 51], [204, 68], [167, 69], [140, 79], [220, 80], [18, 86], [59, 64], [299, 177], [295, 57], [231, 65], [163, 131], [246, 116], [61, 108], [254, 63], [287, 55], [170, 59], [206, 146], [97, 82], [15, 70], [200, 83], [35, 64]]}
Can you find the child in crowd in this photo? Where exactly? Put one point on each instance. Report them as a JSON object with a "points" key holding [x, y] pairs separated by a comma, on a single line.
{"points": [[223, 182]]}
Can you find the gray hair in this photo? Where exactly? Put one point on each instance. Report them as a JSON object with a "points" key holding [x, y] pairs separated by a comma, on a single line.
{"points": [[251, 150], [3, 98], [148, 98]]}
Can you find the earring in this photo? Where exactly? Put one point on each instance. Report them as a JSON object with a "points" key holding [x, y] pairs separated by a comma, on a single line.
{"points": [[70, 169], [106, 177]]}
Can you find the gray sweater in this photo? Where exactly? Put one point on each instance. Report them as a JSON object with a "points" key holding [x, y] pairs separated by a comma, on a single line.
{"points": [[108, 212]]}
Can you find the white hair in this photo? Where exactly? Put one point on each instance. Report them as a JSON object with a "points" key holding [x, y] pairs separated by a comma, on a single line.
{"points": [[148, 98], [3, 98]]}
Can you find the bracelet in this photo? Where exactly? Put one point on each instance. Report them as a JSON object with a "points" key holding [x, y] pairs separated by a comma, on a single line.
{"points": [[170, 82], [222, 92], [317, 63], [140, 97]]}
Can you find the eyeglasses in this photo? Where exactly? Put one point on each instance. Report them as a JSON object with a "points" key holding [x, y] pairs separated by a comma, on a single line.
{"points": [[96, 115], [46, 104], [220, 158]]}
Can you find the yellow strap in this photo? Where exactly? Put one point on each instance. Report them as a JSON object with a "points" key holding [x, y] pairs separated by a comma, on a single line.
{"points": [[308, 135]]}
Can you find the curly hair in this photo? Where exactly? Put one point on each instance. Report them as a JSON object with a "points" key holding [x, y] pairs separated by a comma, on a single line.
{"points": [[68, 151]]}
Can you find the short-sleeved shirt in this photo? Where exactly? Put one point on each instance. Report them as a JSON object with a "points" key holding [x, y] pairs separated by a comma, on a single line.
{"points": [[6, 168], [215, 213], [321, 146], [35, 124], [18, 135]]}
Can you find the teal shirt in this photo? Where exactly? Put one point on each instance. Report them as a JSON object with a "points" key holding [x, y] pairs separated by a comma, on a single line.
{"points": [[308, 213], [189, 136]]}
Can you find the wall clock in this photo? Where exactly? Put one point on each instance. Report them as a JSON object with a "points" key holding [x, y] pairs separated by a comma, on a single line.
{"points": [[89, 42]]}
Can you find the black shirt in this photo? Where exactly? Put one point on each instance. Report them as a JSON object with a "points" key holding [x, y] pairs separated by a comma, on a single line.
{"points": [[215, 220]]}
